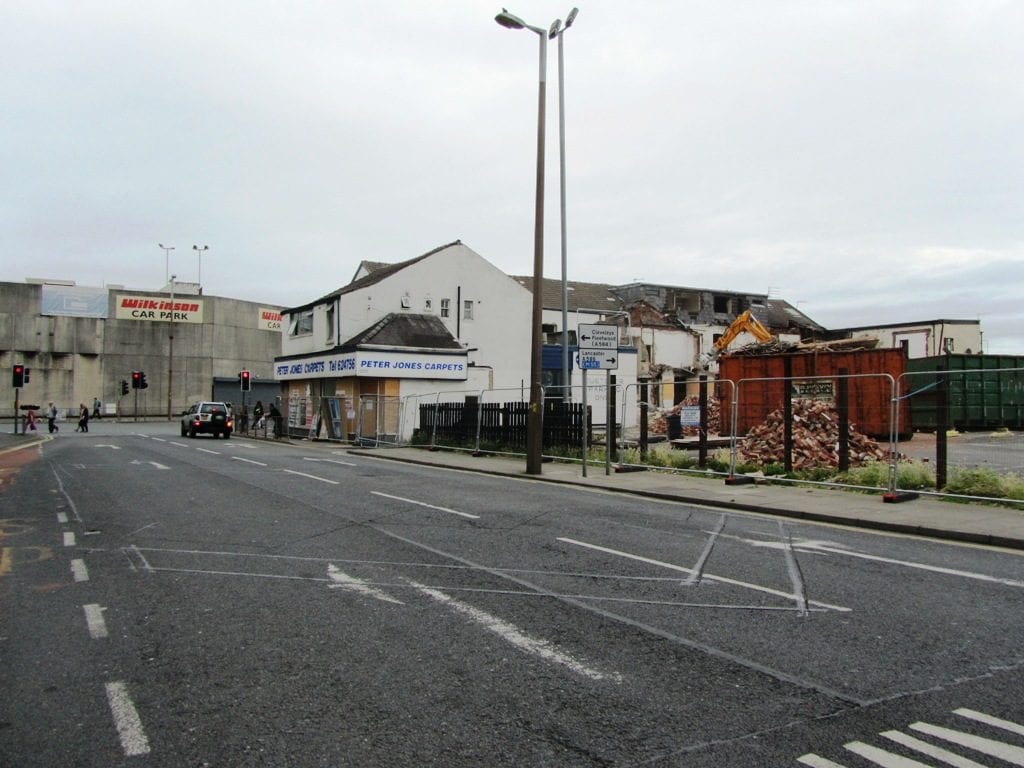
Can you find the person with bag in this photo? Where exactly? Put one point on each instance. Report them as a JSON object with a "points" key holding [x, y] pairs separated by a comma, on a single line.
{"points": [[83, 418], [51, 418]]}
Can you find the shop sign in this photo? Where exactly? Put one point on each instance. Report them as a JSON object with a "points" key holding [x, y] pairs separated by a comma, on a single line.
{"points": [[395, 365], [270, 320], [817, 389]]}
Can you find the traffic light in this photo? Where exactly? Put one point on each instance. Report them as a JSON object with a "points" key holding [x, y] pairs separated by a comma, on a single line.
{"points": [[124, 387], [27, 372], [246, 380], [18, 377], [142, 380], [136, 379]]}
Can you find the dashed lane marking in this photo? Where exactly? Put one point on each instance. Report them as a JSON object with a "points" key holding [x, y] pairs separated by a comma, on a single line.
{"points": [[428, 506]]}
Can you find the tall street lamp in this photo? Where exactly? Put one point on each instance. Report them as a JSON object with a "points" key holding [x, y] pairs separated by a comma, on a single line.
{"points": [[199, 277], [567, 389], [535, 418], [170, 353], [167, 260]]}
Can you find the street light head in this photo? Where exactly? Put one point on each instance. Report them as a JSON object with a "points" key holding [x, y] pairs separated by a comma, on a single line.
{"points": [[571, 17], [509, 21], [553, 29]]}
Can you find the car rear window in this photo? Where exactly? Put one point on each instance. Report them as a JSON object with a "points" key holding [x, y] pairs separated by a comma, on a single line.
{"points": [[212, 408]]}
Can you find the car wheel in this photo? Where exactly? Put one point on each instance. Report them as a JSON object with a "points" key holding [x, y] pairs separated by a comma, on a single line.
{"points": [[192, 432], [183, 430], [227, 435]]}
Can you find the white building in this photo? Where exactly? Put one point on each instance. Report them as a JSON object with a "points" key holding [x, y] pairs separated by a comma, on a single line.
{"points": [[438, 326]]}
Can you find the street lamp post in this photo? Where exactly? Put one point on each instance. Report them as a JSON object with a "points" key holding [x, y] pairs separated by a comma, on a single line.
{"points": [[170, 353], [567, 389], [535, 418], [167, 260], [199, 277]]}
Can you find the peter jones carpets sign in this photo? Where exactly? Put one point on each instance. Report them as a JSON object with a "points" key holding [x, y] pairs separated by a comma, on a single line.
{"points": [[396, 365]]}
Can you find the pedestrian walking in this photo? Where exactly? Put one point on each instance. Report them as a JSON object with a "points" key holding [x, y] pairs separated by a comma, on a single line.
{"points": [[275, 416], [96, 405], [30, 421], [83, 418], [51, 418], [257, 415]]}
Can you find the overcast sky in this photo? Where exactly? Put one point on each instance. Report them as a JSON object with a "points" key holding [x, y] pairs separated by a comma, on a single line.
{"points": [[863, 159]]}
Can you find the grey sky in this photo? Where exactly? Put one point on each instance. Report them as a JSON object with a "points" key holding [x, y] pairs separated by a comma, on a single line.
{"points": [[863, 159]]}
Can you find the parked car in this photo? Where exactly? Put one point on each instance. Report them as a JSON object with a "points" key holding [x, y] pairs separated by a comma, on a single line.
{"points": [[207, 418]]}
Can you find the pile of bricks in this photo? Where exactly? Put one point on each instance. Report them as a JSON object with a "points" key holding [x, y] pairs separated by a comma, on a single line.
{"points": [[815, 439]]}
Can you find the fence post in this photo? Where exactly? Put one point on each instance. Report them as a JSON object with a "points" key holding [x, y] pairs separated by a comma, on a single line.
{"points": [[787, 414], [433, 432], [844, 420], [702, 437], [941, 425], [643, 421]]}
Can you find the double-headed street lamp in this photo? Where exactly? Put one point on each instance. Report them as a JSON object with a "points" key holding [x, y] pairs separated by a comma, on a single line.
{"points": [[199, 277], [567, 389], [535, 418]]}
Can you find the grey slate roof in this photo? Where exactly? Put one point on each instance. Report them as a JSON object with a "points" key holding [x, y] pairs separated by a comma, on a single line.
{"points": [[596, 296], [402, 330]]}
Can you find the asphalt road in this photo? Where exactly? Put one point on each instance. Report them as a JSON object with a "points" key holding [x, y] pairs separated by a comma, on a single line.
{"points": [[176, 602]]}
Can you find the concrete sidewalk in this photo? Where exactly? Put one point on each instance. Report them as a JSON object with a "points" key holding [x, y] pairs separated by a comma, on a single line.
{"points": [[924, 516]]}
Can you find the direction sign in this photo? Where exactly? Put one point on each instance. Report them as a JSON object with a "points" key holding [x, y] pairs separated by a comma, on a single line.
{"points": [[598, 359], [592, 336]]}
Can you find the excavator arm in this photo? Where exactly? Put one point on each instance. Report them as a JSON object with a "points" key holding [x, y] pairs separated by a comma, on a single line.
{"points": [[743, 322]]}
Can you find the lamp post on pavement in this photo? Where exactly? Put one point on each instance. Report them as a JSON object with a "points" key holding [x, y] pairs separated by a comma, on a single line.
{"points": [[199, 277], [535, 418], [567, 389], [167, 260], [170, 353]]}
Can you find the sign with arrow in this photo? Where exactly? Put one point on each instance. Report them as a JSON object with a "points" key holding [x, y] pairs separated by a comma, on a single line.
{"points": [[598, 359], [595, 336]]}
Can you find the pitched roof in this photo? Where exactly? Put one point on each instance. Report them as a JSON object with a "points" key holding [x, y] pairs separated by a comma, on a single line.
{"points": [[403, 330], [385, 270], [781, 315], [582, 296]]}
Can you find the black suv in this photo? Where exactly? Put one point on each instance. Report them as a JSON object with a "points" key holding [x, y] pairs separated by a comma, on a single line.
{"points": [[211, 418]]}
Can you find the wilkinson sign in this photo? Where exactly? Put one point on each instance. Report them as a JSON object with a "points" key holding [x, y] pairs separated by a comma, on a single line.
{"points": [[270, 320], [393, 365], [184, 310]]}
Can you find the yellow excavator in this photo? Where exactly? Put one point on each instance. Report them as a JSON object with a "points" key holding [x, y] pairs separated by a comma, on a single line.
{"points": [[743, 322]]}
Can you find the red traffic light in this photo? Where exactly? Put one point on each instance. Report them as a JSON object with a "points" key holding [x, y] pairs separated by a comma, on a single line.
{"points": [[245, 379], [18, 376]]}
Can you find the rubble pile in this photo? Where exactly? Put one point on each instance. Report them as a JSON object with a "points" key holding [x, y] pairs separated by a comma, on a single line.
{"points": [[815, 439], [658, 424]]}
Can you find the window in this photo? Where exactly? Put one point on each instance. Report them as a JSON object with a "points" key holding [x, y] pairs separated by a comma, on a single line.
{"points": [[722, 305], [445, 305], [467, 310], [330, 323], [301, 323], [428, 305]]}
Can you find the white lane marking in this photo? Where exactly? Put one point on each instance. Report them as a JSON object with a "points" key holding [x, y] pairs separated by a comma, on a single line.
{"points": [[207, 450], [159, 439], [69, 538], [79, 571], [818, 762], [707, 576], [341, 580], [94, 620], [944, 755], [60, 488], [533, 646], [981, 717], [180, 445], [331, 461], [127, 721], [424, 504], [158, 465], [883, 758], [107, 445], [824, 546], [249, 461], [1007, 752], [311, 477], [62, 517]]}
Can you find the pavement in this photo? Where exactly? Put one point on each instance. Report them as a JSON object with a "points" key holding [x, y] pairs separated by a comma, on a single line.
{"points": [[927, 516]]}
